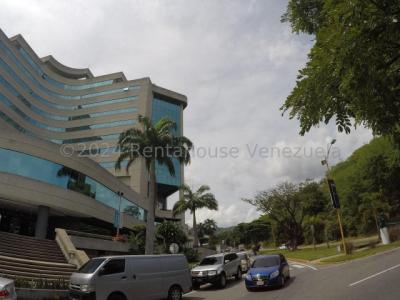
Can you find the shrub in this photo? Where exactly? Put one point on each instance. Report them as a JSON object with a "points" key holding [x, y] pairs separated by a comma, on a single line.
{"points": [[394, 233], [56, 284], [192, 255]]}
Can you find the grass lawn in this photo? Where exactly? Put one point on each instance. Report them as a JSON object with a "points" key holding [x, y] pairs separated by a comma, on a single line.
{"points": [[362, 253], [306, 253]]}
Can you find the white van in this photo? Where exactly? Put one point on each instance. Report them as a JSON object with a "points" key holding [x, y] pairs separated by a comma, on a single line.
{"points": [[139, 277]]}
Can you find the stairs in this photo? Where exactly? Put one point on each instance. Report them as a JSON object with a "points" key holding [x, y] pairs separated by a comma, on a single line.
{"points": [[30, 258]]}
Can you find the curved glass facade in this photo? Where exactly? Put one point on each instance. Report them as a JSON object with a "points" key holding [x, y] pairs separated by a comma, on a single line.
{"points": [[58, 84], [26, 165], [29, 91], [17, 94], [27, 72]]}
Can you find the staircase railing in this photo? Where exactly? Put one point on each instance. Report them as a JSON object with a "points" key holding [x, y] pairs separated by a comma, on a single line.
{"points": [[73, 256]]}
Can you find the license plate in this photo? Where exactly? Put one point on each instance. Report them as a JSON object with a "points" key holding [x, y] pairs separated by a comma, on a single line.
{"points": [[260, 282]]}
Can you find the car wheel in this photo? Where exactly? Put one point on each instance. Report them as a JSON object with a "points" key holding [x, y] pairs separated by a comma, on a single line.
{"points": [[282, 281], [288, 276], [249, 289], [222, 280], [196, 286], [238, 275], [116, 296], [175, 293]]}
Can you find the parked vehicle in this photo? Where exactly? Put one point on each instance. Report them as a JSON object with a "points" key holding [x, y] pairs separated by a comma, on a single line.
{"points": [[283, 247], [244, 261], [146, 277], [7, 289], [216, 269], [267, 270]]}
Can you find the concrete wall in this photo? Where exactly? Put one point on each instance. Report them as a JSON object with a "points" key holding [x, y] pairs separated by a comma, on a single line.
{"points": [[98, 244]]}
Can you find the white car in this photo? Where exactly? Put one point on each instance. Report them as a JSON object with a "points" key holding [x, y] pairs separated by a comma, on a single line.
{"points": [[7, 289], [283, 247]]}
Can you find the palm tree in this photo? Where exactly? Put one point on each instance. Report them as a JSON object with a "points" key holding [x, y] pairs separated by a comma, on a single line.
{"points": [[192, 201], [209, 227], [153, 143]]}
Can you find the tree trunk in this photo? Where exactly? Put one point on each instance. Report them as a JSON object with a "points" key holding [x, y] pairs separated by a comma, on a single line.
{"points": [[195, 235], [150, 230]]}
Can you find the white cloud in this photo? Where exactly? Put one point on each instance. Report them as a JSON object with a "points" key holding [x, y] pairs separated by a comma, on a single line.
{"points": [[233, 59]]}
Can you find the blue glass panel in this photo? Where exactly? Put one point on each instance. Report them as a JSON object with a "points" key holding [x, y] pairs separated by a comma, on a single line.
{"points": [[25, 87], [38, 84], [25, 165], [161, 109], [7, 102], [40, 72], [111, 164]]}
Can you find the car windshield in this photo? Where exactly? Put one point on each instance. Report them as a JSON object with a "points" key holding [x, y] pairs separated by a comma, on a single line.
{"points": [[264, 262], [211, 261], [91, 266]]}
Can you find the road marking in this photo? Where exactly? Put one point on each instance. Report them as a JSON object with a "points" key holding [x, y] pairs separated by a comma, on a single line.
{"points": [[192, 292], [374, 275], [300, 265]]}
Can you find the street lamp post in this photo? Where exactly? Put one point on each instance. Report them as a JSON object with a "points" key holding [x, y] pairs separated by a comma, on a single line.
{"points": [[328, 181]]}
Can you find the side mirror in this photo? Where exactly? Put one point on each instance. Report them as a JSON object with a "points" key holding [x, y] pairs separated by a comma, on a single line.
{"points": [[226, 261]]}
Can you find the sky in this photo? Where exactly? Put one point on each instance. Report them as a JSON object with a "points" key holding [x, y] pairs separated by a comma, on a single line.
{"points": [[234, 60]]}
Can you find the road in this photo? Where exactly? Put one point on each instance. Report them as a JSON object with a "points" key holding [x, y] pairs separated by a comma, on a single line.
{"points": [[373, 278]]}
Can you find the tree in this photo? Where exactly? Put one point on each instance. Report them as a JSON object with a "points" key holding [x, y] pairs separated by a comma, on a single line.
{"points": [[171, 232], [283, 205], [209, 227], [206, 230], [154, 144], [192, 201], [137, 239], [366, 185], [352, 74]]}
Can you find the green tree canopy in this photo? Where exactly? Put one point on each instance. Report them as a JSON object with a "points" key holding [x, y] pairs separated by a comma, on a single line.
{"points": [[171, 232], [283, 206], [352, 74]]}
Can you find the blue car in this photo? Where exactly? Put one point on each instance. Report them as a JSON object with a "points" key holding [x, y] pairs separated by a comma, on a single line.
{"points": [[267, 271]]}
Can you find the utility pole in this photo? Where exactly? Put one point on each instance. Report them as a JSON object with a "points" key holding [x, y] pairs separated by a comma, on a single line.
{"points": [[333, 193]]}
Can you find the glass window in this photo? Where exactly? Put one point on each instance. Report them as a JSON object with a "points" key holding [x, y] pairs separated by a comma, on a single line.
{"points": [[27, 72], [114, 266], [265, 262], [26, 165], [91, 266], [207, 261], [161, 109], [29, 119], [25, 87]]}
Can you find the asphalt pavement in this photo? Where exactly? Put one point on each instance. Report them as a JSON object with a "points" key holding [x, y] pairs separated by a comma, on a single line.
{"points": [[372, 278]]}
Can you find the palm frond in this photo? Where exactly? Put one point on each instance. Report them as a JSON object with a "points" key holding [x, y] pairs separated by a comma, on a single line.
{"points": [[202, 189]]}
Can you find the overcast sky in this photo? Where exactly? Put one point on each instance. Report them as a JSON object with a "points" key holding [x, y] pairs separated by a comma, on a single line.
{"points": [[235, 61]]}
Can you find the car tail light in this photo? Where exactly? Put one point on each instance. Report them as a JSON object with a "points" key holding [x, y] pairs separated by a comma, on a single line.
{"points": [[4, 293]]}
